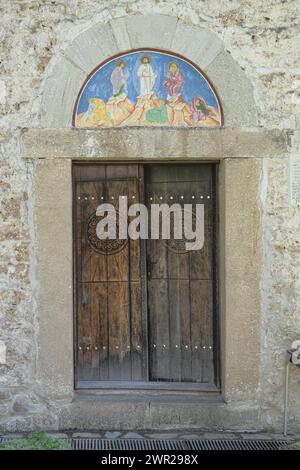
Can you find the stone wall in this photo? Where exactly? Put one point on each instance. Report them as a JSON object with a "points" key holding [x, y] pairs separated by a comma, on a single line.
{"points": [[262, 40]]}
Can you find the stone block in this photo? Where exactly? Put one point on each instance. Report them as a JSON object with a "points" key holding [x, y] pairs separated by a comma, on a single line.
{"points": [[190, 436], [133, 435], [57, 435], [112, 434], [53, 219], [27, 404], [60, 93], [91, 47], [235, 91], [120, 33], [86, 435], [29, 422], [147, 143], [251, 436], [199, 45], [220, 435], [241, 252], [95, 414], [163, 435], [151, 30], [172, 416]]}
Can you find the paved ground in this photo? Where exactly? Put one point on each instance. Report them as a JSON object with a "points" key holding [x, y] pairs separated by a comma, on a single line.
{"points": [[186, 435]]}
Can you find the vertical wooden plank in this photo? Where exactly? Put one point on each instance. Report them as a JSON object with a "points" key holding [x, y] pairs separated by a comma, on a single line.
{"points": [[99, 327], [84, 301], [119, 331], [180, 360], [202, 260], [143, 288], [124, 267], [95, 330], [202, 332], [85, 321], [185, 332], [79, 340], [92, 264], [98, 261], [89, 314], [137, 344], [159, 330]]}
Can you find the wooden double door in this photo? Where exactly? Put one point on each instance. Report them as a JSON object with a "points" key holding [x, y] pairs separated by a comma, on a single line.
{"points": [[145, 308]]}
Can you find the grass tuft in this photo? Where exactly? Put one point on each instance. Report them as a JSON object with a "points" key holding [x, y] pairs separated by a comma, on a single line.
{"points": [[36, 441]]}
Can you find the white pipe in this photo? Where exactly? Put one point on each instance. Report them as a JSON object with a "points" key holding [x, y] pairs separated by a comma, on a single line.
{"points": [[286, 396]]}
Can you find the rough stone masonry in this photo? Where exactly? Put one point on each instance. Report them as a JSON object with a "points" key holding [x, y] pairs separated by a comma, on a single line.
{"points": [[263, 38]]}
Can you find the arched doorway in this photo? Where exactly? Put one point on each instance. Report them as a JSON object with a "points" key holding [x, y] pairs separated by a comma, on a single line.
{"points": [[146, 310]]}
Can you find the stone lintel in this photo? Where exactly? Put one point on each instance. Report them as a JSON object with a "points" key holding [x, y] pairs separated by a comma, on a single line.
{"points": [[153, 143]]}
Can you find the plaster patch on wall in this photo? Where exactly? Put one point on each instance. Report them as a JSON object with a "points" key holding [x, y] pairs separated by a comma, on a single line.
{"points": [[294, 179], [2, 92], [2, 352], [91, 144]]}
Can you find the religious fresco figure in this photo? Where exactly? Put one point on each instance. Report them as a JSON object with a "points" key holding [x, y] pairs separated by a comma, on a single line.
{"points": [[201, 112], [118, 106], [174, 81], [95, 116], [147, 99], [119, 78], [147, 76], [178, 109]]}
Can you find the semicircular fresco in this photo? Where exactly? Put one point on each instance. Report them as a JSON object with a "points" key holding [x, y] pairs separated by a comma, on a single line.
{"points": [[147, 88]]}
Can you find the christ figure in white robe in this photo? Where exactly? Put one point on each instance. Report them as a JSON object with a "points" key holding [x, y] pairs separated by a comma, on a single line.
{"points": [[147, 77]]}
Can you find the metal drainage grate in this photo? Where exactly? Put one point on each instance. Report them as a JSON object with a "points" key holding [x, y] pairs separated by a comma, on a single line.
{"points": [[127, 444], [155, 444], [167, 445], [238, 444]]}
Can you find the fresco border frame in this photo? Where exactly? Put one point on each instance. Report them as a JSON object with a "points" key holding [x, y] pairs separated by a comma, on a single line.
{"points": [[147, 49]]}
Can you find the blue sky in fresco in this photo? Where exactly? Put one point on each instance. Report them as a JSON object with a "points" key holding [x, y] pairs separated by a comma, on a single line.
{"points": [[99, 86]]}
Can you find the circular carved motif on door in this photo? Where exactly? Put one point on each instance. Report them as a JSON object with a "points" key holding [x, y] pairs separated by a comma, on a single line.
{"points": [[178, 246], [105, 247]]}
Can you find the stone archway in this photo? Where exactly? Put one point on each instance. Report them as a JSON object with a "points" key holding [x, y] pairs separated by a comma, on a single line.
{"points": [[104, 40]]}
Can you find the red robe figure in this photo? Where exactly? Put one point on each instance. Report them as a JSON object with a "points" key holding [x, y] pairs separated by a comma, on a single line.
{"points": [[174, 81]]}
